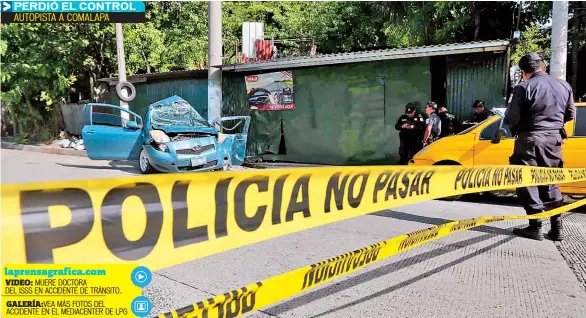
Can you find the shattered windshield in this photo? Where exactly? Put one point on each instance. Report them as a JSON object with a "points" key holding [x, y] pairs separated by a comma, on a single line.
{"points": [[177, 113]]}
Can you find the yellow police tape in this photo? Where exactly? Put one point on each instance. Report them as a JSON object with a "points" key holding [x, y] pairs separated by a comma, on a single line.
{"points": [[163, 220], [272, 290]]}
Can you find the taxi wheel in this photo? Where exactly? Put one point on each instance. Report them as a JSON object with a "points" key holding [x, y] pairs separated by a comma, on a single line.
{"points": [[449, 163]]}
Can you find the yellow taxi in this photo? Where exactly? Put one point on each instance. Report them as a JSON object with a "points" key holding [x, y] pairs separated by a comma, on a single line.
{"points": [[482, 144]]}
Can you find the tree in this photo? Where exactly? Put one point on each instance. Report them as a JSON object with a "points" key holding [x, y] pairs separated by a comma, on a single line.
{"points": [[173, 38], [534, 39], [37, 71], [282, 20], [46, 64], [144, 48]]}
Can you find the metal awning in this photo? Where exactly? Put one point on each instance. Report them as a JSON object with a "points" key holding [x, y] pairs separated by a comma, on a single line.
{"points": [[369, 56], [152, 77]]}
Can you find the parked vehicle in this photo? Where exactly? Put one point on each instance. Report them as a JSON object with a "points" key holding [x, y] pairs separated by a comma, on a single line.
{"points": [[173, 138], [260, 97], [489, 143]]}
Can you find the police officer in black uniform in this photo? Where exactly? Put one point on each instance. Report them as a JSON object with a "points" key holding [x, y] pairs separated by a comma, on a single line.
{"points": [[480, 112], [433, 124], [538, 110], [449, 122], [410, 127]]}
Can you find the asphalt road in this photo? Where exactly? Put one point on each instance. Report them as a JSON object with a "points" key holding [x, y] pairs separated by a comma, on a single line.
{"points": [[483, 272]]}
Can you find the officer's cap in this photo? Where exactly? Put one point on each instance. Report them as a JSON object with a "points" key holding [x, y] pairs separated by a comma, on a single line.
{"points": [[478, 103], [527, 58], [409, 108]]}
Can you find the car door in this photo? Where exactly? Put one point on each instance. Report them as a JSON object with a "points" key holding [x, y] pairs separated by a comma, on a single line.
{"points": [[111, 133], [575, 146], [488, 153], [235, 143]]}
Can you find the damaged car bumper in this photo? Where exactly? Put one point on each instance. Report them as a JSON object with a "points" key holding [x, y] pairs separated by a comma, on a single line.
{"points": [[201, 154]]}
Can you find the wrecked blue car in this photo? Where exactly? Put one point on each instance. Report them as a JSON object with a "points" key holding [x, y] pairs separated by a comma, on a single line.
{"points": [[172, 138]]}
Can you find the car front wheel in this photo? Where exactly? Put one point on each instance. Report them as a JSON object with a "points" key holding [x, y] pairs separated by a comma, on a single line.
{"points": [[144, 164]]}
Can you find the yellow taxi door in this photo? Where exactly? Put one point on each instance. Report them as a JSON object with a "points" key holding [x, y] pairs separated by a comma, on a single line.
{"points": [[488, 153], [575, 149]]}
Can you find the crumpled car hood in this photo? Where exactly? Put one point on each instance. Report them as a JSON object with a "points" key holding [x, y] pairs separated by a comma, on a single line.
{"points": [[168, 130]]}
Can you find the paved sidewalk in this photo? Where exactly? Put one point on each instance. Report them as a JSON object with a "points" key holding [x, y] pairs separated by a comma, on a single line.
{"points": [[483, 272], [50, 149], [573, 249]]}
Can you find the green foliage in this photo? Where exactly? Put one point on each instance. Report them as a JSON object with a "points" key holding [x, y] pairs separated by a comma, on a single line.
{"points": [[282, 19], [534, 39], [44, 64], [174, 37], [23, 139], [38, 69], [345, 26]]}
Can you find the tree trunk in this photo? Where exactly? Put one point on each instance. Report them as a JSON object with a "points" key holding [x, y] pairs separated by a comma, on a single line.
{"points": [[92, 91], [14, 121], [518, 18], [146, 60], [476, 15], [32, 112]]}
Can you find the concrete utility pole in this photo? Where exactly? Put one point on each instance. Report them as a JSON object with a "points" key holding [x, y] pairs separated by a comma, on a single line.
{"points": [[215, 58], [121, 66], [559, 39]]}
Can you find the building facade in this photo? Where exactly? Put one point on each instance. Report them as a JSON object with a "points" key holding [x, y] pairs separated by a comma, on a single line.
{"points": [[346, 105]]}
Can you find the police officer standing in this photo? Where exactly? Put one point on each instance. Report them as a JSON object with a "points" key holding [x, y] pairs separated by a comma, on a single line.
{"points": [[449, 122], [538, 110], [433, 124], [410, 127]]}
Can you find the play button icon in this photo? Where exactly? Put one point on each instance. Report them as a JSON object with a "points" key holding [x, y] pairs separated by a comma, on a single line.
{"points": [[141, 276]]}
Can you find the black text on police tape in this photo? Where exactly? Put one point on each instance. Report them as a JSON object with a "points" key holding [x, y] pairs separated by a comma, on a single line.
{"points": [[419, 237], [577, 174], [553, 175], [298, 202], [402, 184], [41, 238], [495, 219], [339, 265], [397, 185], [235, 303], [478, 178], [464, 225]]}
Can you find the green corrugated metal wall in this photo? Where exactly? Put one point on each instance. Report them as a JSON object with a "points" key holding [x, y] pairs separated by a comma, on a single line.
{"points": [[474, 76], [195, 91], [344, 114]]}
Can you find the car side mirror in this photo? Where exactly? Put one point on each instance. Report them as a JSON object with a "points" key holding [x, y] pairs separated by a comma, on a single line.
{"points": [[500, 134], [132, 125]]}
